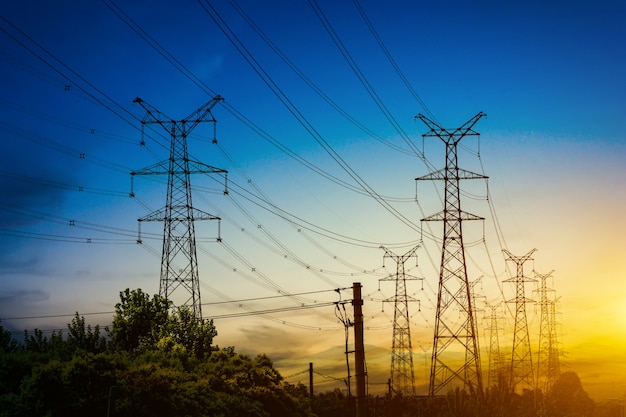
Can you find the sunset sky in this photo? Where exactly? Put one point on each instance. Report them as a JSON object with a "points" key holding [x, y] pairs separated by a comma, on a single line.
{"points": [[318, 119]]}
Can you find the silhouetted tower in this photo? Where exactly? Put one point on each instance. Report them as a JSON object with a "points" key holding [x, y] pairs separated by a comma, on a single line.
{"points": [[455, 337], [402, 376], [495, 358], [475, 311], [521, 358], [548, 364], [179, 265], [554, 364]]}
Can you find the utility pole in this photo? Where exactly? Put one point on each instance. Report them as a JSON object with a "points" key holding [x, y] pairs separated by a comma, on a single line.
{"points": [[402, 376], [311, 380], [521, 358], [179, 265], [359, 351], [454, 337]]}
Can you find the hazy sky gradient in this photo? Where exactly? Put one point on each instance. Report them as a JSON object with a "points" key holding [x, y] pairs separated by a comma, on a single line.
{"points": [[550, 78]]}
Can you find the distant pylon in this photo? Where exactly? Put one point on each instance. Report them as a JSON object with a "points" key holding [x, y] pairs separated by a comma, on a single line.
{"points": [[179, 265], [402, 375], [547, 367], [554, 364], [456, 356], [521, 358], [475, 311], [495, 369]]}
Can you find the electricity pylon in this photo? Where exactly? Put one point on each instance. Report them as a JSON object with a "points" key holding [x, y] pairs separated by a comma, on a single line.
{"points": [[495, 358], [402, 376], [179, 264], [554, 364], [456, 356], [521, 357], [547, 366]]}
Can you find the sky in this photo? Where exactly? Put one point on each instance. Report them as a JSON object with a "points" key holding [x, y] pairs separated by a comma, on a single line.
{"points": [[318, 133]]}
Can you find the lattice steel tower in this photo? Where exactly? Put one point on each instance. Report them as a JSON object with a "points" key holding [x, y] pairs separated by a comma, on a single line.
{"points": [[402, 376], [521, 358], [495, 358], [456, 356], [179, 264], [548, 369]]}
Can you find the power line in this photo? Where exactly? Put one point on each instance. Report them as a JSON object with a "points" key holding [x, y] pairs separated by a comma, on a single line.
{"points": [[309, 128]]}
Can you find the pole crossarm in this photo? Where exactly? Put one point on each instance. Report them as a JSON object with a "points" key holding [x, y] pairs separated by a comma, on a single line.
{"points": [[443, 216], [194, 167], [179, 127], [162, 215], [459, 174], [454, 136]]}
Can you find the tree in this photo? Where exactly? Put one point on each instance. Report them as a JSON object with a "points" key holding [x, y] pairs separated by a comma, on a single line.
{"points": [[194, 334], [84, 337], [567, 398], [138, 320]]}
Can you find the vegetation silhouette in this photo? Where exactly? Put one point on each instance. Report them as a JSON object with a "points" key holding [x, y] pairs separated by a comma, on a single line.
{"points": [[156, 360]]}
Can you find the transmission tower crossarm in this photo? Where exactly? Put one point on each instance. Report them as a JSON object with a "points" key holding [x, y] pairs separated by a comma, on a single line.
{"points": [[200, 114], [194, 214], [438, 131], [441, 216], [153, 115], [443, 174], [186, 125], [158, 168], [194, 167]]}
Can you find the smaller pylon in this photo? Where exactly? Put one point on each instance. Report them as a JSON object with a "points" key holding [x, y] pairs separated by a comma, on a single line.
{"points": [[402, 375], [496, 368], [545, 342], [554, 364], [521, 357]]}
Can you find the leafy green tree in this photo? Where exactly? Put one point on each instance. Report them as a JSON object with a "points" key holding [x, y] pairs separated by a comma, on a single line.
{"points": [[81, 337], [194, 334], [330, 404], [137, 319], [7, 343], [36, 342]]}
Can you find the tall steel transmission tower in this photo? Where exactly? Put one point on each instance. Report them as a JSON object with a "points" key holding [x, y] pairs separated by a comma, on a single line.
{"points": [[179, 264], [456, 356], [521, 357], [402, 376], [548, 368]]}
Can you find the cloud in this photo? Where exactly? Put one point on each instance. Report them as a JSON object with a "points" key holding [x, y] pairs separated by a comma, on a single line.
{"points": [[23, 296], [11, 264], [26, 197]]}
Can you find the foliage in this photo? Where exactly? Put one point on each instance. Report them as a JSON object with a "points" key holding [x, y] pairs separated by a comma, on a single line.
{"points": [[567, 398], [156, 361]]}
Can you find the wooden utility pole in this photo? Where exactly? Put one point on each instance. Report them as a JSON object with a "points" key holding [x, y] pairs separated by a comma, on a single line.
{"points": [[311, 380], [359, 351]]}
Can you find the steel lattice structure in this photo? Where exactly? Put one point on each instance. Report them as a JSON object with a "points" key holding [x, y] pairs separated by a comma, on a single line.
{"points": [[495, 372], [179, 264], [548, 368], [456, 356], [521, 358], [402, 374]]}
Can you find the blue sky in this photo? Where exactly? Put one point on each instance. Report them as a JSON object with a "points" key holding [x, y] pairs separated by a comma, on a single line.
{"points": [[549, 77]]}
